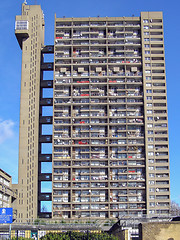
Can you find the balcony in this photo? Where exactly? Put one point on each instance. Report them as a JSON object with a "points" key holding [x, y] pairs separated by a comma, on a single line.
{"points": [[62, 81]]}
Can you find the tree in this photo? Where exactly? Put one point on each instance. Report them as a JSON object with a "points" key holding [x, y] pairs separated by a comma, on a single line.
{"points": [[175, 209]]}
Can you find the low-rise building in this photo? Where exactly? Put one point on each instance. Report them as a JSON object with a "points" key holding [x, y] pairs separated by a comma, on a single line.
{"points": [[7, 194]]}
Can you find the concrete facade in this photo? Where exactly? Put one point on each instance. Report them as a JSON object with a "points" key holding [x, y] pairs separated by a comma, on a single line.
{"points": [[110, 155], [29, 31]]}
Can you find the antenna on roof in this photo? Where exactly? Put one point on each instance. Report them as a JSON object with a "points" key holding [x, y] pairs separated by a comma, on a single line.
{"points": [[25, 2]]}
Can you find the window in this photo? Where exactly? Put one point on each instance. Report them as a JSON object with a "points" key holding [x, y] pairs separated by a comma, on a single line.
{"points": [[146, 33], [161, 182], [146, 45], [150, 153], [151, 168], [150, 139], [148, 85], [162, 196], [21, 25], [149, 111], [151, 175], [146, 39], [162, 168], [147, 58], [150, 146], [151, 189], [148, 78], [150, 132], [148, 71], [151, 161], [156, 26], [149, 118], [152, 204], [156, 20], [145, 20], [162, 160], [146, 27], [147, 52], [156, 39], [151, 182], [149, 125], [149, 98], [149, 105], [147, 64], [149, 91], [151, 197]]}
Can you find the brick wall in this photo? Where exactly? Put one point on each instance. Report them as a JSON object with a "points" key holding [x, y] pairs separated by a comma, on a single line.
{"points": [[160, 231]]}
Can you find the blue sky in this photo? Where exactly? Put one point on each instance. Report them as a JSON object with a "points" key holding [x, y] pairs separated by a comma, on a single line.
{"points": [[10, 67]]}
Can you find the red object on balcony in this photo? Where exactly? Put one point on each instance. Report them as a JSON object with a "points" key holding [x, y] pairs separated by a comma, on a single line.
{"points": [[129, 156], [84, 94], [82, 81], [82, 142]]}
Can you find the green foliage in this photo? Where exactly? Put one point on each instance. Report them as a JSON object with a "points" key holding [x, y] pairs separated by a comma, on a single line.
{"points": [[109, 223], [39, 221], [20, 238], [63, 222], [78, 236]]}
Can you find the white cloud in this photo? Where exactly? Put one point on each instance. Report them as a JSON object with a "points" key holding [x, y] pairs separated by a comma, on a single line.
{"points": [[6, 130]]}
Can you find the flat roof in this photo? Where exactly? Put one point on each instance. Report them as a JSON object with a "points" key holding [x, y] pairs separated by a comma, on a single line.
{"points": [[5, 173]]}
